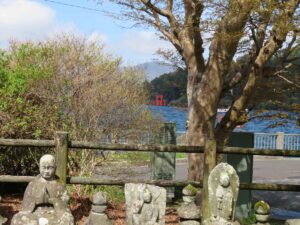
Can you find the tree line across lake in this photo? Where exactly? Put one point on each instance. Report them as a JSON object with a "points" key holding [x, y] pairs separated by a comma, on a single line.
{"points": [[273, 92]]}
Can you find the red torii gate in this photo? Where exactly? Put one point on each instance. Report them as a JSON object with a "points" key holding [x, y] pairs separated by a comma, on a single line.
{"points": [[159, 100]]}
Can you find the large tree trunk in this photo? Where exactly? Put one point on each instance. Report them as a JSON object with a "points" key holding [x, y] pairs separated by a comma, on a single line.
{"points": [[202, 114], [207, 90]]}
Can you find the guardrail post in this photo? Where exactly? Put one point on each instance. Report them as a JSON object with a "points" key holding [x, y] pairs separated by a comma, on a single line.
{"points": [[61, 155], [243, 164], [210, 160], [279, 140]]}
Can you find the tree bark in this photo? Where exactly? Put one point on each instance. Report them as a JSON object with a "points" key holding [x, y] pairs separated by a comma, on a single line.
{"points": [[206, 91]]}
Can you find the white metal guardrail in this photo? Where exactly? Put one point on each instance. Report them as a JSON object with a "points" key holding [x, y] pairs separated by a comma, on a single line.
{"points": [[278, 140]]}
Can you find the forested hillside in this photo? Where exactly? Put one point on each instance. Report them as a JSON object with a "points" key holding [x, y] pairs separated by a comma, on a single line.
{"points": [[277, 90], [172, 86]]}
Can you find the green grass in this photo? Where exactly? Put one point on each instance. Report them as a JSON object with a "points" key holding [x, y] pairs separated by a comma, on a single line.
{"points": [[114, 194], [136, 157], [131, 157], [251, 220], [180, 155]]}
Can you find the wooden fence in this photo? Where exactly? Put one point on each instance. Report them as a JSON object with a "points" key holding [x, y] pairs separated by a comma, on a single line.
{"points": [[62, 143]]}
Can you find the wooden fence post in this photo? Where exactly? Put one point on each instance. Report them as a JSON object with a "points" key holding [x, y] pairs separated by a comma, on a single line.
{"points": [[61, 155], [210, 154]]}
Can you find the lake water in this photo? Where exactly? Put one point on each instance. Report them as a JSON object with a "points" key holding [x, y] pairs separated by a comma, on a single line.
{"points": [[179, 116]]}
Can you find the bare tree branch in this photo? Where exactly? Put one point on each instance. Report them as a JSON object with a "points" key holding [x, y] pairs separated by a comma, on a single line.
{"points": [[287, 80], [237, 110]]}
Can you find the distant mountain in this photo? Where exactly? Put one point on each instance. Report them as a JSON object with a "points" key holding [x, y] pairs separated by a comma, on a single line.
{"points": [[155, 69]]}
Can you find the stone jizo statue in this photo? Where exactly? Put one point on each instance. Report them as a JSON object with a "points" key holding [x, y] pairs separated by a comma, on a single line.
{"points": [[224, 196], [45, 200], [223, 187], [145, 204]]}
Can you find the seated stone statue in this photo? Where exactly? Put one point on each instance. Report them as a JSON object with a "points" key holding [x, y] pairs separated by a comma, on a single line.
{"points": [[45, 200]]}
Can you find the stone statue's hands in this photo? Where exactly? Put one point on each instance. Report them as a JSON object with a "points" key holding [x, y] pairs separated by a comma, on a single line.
{"points": [[40, 197], [51, 201], [43, 198], [137, 206]]}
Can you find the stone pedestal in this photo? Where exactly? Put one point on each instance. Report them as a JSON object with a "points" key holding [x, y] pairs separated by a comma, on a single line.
{"points": [[97, 215], [188, 212]]}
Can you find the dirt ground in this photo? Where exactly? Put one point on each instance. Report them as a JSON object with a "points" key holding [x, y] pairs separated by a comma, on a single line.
{"points": [[80, 208]]}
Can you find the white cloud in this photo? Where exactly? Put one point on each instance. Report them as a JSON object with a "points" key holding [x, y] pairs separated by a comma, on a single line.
{"points": [[142, 42], [138, 46], [98, 37], [32, 20], [24, 19]]}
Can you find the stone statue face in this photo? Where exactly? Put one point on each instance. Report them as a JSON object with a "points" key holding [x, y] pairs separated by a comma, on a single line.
{"points": [[224, 179], [147, 195], [47, 167]]}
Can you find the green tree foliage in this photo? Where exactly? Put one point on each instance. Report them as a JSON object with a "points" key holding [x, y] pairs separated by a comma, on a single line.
{"points": [[67, 83], [22, 113]]}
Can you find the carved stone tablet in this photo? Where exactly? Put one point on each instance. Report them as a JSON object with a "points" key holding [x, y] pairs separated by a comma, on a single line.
{"points": [[145, 204]]}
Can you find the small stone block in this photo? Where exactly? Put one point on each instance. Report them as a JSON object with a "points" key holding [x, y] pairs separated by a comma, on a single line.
{"points": [[99, 208], [190, 222], [98, 219], [189, 211], [188, 199], [261, 218], [99, 199]]}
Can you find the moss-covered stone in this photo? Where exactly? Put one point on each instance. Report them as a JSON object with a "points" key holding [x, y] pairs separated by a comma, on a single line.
{"points": [[189, 190], [261, 207]]}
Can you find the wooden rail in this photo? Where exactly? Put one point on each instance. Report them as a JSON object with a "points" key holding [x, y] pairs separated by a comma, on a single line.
{"points": [[162, 183], [147, 148], [62, 145]]}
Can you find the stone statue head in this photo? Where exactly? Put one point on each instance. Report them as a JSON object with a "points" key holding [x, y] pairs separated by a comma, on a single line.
{"points": [[147, 197], [224, 179], [47, 167]]}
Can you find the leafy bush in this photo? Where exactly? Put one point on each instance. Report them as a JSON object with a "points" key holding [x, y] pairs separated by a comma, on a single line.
{"points": [[67, 83]]}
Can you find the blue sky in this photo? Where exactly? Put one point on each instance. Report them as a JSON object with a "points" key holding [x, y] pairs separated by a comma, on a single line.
{"points": [[40, 19]]}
